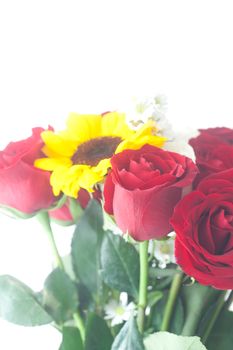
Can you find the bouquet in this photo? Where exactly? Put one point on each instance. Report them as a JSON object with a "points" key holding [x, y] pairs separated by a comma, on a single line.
{"points": [[151, 257]]}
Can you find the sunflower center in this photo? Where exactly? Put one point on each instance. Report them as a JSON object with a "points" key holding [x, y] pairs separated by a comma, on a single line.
{"points": [[93, 151]]}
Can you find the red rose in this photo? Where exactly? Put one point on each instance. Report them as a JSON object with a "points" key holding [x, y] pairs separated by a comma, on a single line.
{"points": [[22, 186], [213, 150], [143, 188], [225, 135], [63, 215], [203, 221]]}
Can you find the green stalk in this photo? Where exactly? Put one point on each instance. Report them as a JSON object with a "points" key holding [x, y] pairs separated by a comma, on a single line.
{"points": [[44, 219], [218, 309], [79, 324], [142, 301], [172, 296]]}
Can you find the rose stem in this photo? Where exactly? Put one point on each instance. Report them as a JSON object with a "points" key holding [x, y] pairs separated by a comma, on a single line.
{"points": [[142, 300], [172, 296], [218, 309], [44, 219]]}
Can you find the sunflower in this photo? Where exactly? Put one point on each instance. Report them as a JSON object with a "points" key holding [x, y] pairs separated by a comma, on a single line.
{"points": [[79, 156]]}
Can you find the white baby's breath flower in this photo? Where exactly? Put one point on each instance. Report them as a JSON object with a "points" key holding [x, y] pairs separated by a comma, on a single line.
{"points": [[163, 251], [141, 110], [119, 312], [179, 143]]}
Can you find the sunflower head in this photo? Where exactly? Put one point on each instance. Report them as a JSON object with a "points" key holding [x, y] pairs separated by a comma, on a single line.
{"points": [[79, 156]]}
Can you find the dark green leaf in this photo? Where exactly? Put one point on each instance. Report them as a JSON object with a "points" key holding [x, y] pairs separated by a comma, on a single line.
{"points": [[221, 336], [129, 337], [163, 283], [98, 335], [154, 297], [86, 301], [197, 299], [120, 264], [71, 339], [177, 320], [19, 305], [60, 296], [86, 245]]}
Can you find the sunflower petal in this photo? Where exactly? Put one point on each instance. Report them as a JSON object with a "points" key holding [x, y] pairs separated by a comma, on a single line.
{"points": [[83, 127], [51, 163], [114, 124], [57, 144]]}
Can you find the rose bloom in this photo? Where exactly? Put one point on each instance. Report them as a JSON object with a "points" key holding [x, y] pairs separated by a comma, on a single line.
{"points": [[143, 188], [203, 222], [213, 150], [22, 186], [63, 215]]}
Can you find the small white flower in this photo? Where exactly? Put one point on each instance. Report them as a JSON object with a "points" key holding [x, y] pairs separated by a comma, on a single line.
{"points": [[180, 144], [154, 108], [140, 111], [119, 312], [163, 251]]}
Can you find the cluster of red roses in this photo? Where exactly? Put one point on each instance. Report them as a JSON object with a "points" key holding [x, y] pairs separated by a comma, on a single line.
{"points": [[150, 192], [203, 220]]}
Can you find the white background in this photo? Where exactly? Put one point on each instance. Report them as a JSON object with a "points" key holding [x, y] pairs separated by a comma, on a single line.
{"points": [[92, 56]]}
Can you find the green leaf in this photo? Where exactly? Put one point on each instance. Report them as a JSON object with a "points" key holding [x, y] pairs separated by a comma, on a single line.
{"points": [[169, 341], [71, 339], [155, 272], [163, 283], [177, 319], [14, 213], [60, 297], [153, 297], [221, 336], [86, 301], [197, 299], [85, 247], [98, 335], [19, 305], [120, 264], [129, 337]]}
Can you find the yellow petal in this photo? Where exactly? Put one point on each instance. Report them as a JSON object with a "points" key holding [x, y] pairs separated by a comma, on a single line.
{"points": [[51, 163], [114, 124], [57, 144], [102, 167], [88, 179], [144, 135], [61, 180], [83, 127]]}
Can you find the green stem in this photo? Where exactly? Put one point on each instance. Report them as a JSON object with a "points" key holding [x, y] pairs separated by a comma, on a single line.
{"points": [[218, 309], [79, 323], [142, 301], [44, 219], [172, 296]]}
